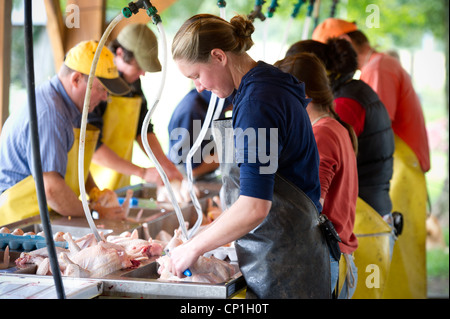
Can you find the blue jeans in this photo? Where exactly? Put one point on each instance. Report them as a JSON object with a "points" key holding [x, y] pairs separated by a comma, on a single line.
{"points": [[351, 277], [392, 237], [334, 268]]}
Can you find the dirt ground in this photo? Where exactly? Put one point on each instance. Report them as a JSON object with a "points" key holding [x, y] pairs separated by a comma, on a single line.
{"points": [[438, 288]]}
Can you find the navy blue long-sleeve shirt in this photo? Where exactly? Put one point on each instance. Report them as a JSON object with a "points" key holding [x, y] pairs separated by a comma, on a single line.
{"points": [[185, 125], [270, 104]]}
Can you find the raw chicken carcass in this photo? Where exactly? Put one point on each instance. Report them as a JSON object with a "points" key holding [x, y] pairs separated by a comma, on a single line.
{"points": [[36, 256], [174, 242], [180, 190], [72, 269], [104, 198], [212, 265], [137, 248], [93, 260], [99, 260], [209, 270], [106, 203], [96, 260]]}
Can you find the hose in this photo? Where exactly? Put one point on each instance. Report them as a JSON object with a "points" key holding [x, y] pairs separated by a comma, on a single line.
{"points": [[294, 14], [152, 12], [87, 100], [147, 148], [133, 8], [308, 20], [42, 201], [209, 117], [222, 4], [316, 13], [333, 8], [270, 11]]}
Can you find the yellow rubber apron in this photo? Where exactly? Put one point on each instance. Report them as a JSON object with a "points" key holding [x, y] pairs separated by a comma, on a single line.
{"points": [[20, 201], [372, 255], [120, 123], [407, 275], [71, 177]]}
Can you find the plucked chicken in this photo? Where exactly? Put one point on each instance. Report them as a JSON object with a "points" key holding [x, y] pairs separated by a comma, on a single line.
{"points": [[137, 248], [180, 190], [206, 269], [106, 203]]}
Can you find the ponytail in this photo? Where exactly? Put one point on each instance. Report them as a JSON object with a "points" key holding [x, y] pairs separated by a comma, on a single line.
{"points": [[307, 67]]}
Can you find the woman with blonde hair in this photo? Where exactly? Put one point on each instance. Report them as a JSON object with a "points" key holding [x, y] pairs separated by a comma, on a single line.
{"points": [[272, 200]]}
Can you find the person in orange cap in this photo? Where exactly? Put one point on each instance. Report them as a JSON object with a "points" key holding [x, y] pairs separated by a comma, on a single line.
{"points": [[390, 81], [332, 28], [408, 189]]}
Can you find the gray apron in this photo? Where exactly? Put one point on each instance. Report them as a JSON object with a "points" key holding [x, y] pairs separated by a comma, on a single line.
{"points": [[286, 256]]}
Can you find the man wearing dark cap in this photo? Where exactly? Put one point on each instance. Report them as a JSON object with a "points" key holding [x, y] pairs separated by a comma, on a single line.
{"points": [[121, 119], [59, 106]]}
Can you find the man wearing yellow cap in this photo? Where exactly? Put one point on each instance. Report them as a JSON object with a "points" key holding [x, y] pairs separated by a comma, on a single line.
{"points": [[121, 119], [386, 76], [59, 104]]}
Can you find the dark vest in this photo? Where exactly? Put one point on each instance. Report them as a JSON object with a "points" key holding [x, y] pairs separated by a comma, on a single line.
{"points": [[375, 146]]}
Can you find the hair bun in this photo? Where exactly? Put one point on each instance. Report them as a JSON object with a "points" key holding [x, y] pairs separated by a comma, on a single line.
{"points": [[243, 27]]}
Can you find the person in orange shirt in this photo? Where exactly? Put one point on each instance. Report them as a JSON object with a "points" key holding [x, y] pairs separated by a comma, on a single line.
{"points": [[337, 145], [408, 191], [390, 81]]}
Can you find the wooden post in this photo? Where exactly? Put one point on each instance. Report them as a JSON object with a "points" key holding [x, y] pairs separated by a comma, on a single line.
{"points": [[64, 33], [82, 20], [5, 58], [56, 31]]}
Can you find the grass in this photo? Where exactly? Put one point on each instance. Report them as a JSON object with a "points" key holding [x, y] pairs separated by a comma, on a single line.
{"points": [[438, 259]]}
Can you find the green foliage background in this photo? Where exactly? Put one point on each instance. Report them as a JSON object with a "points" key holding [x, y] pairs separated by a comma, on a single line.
{"points": [[402, 22]]}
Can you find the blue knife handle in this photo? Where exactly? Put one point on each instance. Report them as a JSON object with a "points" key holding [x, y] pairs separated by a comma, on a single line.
{"points": [[187, 273]]}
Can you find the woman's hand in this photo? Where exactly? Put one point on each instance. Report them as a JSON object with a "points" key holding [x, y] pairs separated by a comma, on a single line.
{"points": [[182, 257]]}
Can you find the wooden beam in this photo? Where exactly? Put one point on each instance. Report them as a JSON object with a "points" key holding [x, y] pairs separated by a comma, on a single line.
{"points": [[56, 31], [5, 58], [91, 22], [65, 33], [82, 20]]}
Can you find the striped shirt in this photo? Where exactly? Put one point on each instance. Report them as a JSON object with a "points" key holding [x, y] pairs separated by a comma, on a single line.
{"points": [[57, 115]]}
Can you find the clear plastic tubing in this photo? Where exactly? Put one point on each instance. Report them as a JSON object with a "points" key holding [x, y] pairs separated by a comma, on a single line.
{"points": [[306, 27], [209, 117], [144, 135], [87, 100], [285, 36], [265, 33]]}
